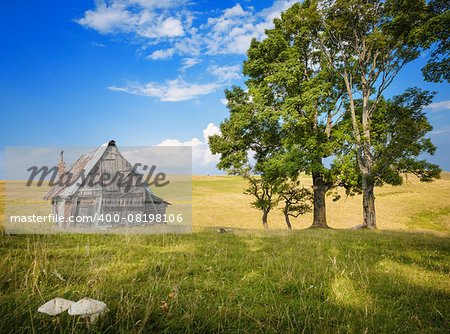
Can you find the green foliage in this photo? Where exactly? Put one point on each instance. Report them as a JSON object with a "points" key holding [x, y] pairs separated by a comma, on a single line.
{"points": [[434, 34], [263, 191], [321, 63], [288, 74], [367, 43], [263, 188], [297, 200], [398, 140], [250, 146], [250, 129], [399, 131], [294, 101]]}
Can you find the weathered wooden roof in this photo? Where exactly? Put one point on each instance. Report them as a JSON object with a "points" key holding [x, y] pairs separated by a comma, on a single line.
{"points": [[86, 163]]}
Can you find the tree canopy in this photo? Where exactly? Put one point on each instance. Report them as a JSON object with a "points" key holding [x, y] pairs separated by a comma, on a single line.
{"points": [[315, 89]]}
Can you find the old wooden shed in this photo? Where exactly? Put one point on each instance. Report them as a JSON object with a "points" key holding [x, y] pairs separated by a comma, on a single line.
{"points": [[104, 186]]}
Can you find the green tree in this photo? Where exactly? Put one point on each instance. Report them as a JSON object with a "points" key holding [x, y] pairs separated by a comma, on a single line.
{"points": [[263, 190], [297, 200], [289, 75], [399, 131], [367, 44], [250, 145], [398, 139], [435, 34]]}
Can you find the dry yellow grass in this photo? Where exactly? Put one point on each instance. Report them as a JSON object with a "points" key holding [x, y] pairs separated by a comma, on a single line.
{"points": [[219, 201]]}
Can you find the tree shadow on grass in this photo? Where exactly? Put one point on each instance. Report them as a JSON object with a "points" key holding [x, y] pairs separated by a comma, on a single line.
{"points": [[311, 280]]}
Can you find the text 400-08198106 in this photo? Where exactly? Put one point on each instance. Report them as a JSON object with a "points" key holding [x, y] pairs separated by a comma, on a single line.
{"points": [[142, 218]]}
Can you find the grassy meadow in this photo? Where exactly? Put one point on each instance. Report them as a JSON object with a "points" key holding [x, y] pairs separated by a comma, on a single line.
{"points": [[395, 279], [219, 201]]}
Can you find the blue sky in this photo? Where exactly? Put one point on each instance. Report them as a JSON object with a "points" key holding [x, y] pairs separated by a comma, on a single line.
{"points": [[142, 72]]}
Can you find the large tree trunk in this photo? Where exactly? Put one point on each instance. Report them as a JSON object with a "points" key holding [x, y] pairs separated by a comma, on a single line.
{"points": [[264, 219], [320, 216], [286, 217], [369, 218]]}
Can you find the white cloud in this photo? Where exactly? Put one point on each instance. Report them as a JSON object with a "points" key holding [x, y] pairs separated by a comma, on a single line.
{"points": [[230, 32], [201, 154], [210, 130], [224, 101], [100, 45], [171, 24], [275, 10], [178, 89], [440, 131], [150, 19], [241, 43], [236, 11], [171, 27], [225, 73], [105, 19], [443, 105], [172, 90], [189, 62], [162, 54]]}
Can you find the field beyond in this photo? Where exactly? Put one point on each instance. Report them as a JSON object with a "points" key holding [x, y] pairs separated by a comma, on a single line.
{"points": [[219, 201], [394, 280]]}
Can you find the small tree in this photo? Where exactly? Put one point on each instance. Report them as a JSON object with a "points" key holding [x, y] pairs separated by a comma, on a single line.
{"points": [[250, 144], [264, 193], [297, 200], [264, 183]]}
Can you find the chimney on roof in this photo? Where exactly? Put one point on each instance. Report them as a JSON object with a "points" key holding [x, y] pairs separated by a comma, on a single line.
{"points": [[61, 166]]}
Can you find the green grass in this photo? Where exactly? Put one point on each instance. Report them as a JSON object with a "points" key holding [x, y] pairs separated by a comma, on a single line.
{"points": [[323, 281], [312, 281], [432, 219]]}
